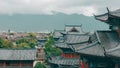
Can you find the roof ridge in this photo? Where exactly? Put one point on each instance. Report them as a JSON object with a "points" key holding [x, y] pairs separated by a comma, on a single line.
{"points": [[90, 45], [113, 49], [98, 38]]}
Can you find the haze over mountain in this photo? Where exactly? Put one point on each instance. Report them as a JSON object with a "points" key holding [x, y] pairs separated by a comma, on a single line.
{"points": [[32, 22], [41, 15]]}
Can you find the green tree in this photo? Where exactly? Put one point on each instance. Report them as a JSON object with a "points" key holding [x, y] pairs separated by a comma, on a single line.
{"points": [[5, 43], [32, 35], [33, 43], [22, 40], [50, 50], [23, 45], [51, 40], [40, 65], [1, 43], [27, 42]]}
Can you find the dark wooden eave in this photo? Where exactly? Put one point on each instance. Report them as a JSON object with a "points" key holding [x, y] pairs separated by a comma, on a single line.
{"points": [[103, 17], [111, 18]]}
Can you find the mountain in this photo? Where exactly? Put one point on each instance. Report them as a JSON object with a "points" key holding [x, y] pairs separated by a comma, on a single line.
{"points": [[29, 22]]}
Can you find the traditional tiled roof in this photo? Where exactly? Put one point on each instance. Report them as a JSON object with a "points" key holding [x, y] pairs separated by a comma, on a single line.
{"points": [[114, 52], [100, 41], [113, 47], [20, 54], [115, 13], [17, 67], [108, 39], [110, 18], [76, 38], [90, 48], [94, 49], [74, 28], [71, 39], [57, 33], [62, 45], [64, 61]]}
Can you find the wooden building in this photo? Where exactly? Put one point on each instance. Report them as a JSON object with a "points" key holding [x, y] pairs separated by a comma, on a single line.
{"points": [[112, 18], [94, 53], [95, 50], [72, 34], [20, 58]]}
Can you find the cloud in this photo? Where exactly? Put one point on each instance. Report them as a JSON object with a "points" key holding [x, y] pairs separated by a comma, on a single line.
{"points": [[49, 7]]}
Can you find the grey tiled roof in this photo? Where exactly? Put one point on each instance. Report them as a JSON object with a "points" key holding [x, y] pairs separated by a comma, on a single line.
{"points": [[102, 41], [71, 39], [115, 13], [76, 38], [17, 67], [57, 33], [113, 47], [113, 52], [62, 45], [64, 61], [92, 49], [108, 39], [10, 54]]}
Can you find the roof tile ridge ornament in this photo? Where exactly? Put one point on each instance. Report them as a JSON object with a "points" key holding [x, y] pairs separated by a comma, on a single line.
{"points": [[108, 12]]}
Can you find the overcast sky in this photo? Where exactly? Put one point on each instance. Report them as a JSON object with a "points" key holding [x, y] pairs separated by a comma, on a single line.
{"points": [[49, 7]]}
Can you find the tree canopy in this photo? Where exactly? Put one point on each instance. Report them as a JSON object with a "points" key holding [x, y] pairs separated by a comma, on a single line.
{"points": [[29, 41], [5, 43], [40, 65], [50, 49]]}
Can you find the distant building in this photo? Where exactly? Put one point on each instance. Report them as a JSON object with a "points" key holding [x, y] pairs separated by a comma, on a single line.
{"points": [[20, 58], [73, 28], [41, 42]]}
